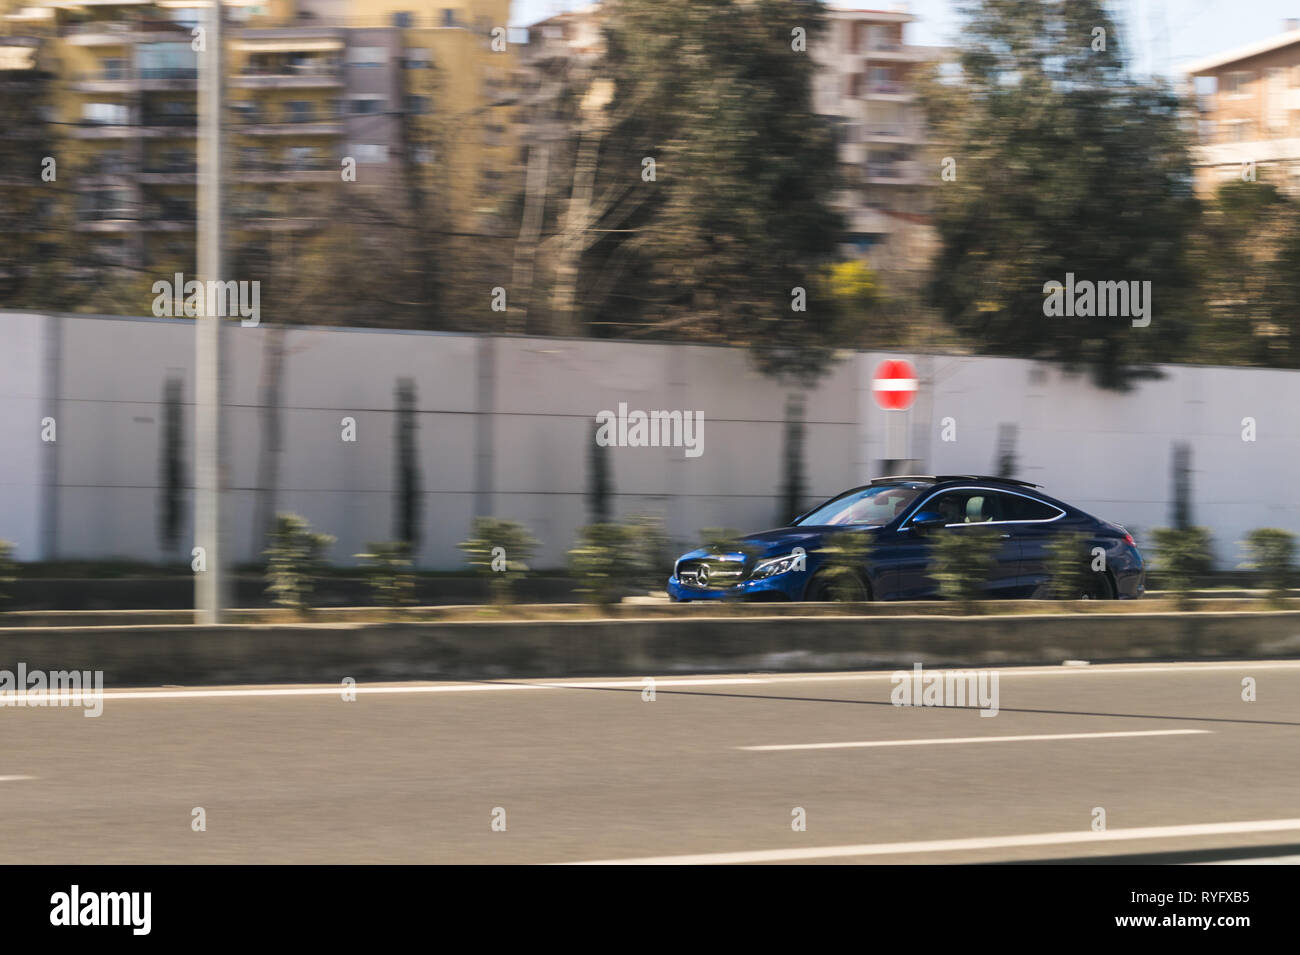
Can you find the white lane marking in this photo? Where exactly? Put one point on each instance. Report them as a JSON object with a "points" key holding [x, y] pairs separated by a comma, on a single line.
{"points": [[969, 739], [660, 682], [361, 688], [12, 779], [962, 845], [1262, 860]]}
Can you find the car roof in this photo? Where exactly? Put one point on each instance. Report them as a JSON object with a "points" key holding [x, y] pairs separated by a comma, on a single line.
{"points": [[950, 478]]}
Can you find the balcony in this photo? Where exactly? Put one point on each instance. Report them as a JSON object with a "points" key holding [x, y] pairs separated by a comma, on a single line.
{"points": [[895, 172], [316, 123], [154, 79], [891, 90], [121, 33], [168, 125], [897, 53], [289, 76], [268, 171], [160, 173], [103, 81], [887, 133]]}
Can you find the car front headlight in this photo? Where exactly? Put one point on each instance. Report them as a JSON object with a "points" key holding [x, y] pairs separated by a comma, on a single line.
{"points": [[777, 565]]}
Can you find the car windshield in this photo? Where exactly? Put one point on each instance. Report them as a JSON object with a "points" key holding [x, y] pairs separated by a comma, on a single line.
{"points": [[876, 505]]}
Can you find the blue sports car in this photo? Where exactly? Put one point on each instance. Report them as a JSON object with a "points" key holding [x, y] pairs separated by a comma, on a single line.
{"points": [[875, 543]]}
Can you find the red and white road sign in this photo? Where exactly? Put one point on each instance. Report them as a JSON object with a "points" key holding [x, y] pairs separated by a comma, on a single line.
{"points": [[894, 385]]}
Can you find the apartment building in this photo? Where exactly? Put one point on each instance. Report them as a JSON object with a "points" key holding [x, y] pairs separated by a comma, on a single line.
{"points": [[399, 92], [864, 81], [1248, 104]]}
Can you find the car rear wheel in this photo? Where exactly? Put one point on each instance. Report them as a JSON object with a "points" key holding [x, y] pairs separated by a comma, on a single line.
{"points": [[1098, 587], [839, 584]]}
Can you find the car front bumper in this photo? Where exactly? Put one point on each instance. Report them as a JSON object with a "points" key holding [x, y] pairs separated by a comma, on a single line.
{"points": [[788, 586]]}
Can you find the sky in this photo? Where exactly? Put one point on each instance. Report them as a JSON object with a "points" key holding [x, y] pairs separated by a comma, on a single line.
{"points": [[1166, 34]]}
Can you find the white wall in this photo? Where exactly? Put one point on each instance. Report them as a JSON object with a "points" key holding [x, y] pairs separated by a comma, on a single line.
{"points": [[22, 406], [1108, 453]]}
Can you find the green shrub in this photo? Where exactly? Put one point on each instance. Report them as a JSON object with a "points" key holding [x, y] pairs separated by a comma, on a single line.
{"points": [[1070, 565], [656, 556], [1271, 552], [963, 563], [293, 560], [389, 566], [849, 553], [8, 571], [611, 561], [1182, 555], [499, 550]]}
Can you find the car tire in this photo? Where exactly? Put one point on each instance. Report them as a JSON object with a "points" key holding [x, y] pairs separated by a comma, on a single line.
{"points": [[1099, 587], [838, 584]]}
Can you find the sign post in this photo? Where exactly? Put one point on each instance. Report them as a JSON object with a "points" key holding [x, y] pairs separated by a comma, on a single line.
{"points": [[894, 386]]}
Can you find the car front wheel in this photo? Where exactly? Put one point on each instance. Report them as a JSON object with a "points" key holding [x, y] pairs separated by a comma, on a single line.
{"points": [[839, 584]]}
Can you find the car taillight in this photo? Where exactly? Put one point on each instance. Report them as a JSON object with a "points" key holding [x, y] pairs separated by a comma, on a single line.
{"points": [[1128, 539]]}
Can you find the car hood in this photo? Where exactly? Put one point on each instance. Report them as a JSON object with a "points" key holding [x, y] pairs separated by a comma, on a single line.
{"points": [[779, 540]]}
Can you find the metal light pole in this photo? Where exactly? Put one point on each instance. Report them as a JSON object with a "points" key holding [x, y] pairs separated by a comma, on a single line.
{"points": [[209, 583]]}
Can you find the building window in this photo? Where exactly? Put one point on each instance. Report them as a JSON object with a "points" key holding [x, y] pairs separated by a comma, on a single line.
{"points": [[417, 105], [105, 114], [299, 111], [417, 58], [366, 56], [1235, 83], [302, 157], [369, 153], [366, 105], [248, 111], [167, 61]]}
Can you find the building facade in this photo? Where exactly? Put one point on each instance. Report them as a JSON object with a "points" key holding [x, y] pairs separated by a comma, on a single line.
{"points": [[1248, 104], [866, 73], [397, 93]]}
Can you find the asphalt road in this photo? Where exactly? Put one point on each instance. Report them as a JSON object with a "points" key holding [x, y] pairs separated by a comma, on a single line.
{"points": [[592, 771]]}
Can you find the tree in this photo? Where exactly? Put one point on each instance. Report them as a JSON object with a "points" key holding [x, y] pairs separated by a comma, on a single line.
{"points": [[598, 482], [407, 513], [172, 486], [1063, 165], [793, 486], [701, 184], [1248, 254]]}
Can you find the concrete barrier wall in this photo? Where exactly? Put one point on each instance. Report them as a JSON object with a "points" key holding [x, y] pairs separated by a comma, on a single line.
{"points": [[504, 425], [145, 656]]}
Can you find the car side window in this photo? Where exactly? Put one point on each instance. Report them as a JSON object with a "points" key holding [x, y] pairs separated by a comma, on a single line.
{"points": [[968, 506], [1020, 508]]}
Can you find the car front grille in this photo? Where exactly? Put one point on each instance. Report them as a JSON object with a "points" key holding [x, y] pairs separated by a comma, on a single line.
{"points": [[710, 573]]}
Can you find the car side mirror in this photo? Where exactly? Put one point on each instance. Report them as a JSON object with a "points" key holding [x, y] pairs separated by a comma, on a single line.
{"points": [[927, 520]]}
